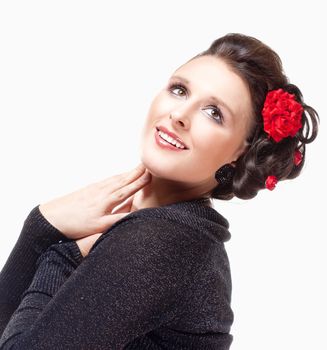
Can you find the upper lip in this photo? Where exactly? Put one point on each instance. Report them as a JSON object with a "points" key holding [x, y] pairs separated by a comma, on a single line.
{"points": [[171, 134]]}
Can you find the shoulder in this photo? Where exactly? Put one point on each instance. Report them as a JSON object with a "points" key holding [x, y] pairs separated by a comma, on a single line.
{"points": [[155, 241], [162, 241], [159, 248], [145, 254], [152, 232]]}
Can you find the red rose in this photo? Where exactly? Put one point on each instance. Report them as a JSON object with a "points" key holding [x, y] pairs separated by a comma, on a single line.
{"points": [[271, 182], [281, 114], [297, 157]]}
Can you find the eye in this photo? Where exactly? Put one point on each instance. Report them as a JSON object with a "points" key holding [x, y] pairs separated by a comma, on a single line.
{"points": [[216, 116], [215, 113], [178, 87]]}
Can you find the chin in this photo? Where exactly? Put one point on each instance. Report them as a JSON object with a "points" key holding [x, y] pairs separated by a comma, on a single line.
{"points": [[165, 165], [159, 169]]}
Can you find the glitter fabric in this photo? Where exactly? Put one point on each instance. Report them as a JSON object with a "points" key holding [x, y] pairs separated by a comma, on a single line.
{"points": [[157, 279]]}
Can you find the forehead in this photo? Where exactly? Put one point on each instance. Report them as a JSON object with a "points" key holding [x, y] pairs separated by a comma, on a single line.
{"points": [[212, 76]]}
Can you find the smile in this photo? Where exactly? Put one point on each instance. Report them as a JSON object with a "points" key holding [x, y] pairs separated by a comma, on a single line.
{"points": [[166, 142], [170, 139]]}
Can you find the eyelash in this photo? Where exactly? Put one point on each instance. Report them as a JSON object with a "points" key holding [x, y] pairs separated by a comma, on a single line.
{"points": [[183, 87]]}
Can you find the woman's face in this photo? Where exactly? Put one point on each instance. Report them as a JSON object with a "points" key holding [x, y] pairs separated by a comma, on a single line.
{"points": [[210, 107]]}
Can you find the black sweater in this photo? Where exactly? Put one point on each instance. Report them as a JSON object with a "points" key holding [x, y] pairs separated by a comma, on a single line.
{"points": [[157, 279]]}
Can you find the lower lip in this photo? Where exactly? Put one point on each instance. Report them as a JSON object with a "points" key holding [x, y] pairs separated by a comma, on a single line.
{"points": [[164, 144]]}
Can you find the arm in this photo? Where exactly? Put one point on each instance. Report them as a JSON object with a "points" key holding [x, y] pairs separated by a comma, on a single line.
{"points": [[53, 268], [16, 275], [131, 282]]}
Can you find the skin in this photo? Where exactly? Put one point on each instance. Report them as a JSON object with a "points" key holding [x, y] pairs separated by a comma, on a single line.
{"points": [[178, 176], [166, 176], [83, 215]]}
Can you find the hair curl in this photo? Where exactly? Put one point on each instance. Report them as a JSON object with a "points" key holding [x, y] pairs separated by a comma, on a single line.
{"points": [[261, 69]]}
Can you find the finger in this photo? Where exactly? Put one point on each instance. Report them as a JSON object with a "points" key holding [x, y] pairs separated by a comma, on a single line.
{"points": [[123, 193], [125, 207], [109, 220], [137, 174], [120, 180]]}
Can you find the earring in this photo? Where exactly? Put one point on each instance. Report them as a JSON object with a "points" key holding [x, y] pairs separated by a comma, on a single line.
{"points": [[224, 174]]}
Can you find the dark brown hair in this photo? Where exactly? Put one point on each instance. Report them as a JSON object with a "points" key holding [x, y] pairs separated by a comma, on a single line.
{"points": [[261, 69]]}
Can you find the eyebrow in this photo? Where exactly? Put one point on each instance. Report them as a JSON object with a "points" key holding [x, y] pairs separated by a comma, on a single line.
{"points": [[212, 98]]}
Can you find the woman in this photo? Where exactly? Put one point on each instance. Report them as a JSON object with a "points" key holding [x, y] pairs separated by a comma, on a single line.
{"points": [[137, 261]]}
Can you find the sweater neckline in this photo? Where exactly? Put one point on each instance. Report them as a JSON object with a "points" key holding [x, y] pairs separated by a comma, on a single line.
{"points": [[200, 207], [196, 213]]}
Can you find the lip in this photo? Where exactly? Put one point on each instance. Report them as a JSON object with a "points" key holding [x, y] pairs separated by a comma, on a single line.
{"points": [[171, 134], [164, 144]]}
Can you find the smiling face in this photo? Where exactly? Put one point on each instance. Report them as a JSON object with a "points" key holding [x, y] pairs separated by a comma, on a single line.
{"points": [[211, 108]]}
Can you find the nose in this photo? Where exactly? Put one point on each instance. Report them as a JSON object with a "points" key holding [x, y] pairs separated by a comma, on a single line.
{"points": [[180, 119]]}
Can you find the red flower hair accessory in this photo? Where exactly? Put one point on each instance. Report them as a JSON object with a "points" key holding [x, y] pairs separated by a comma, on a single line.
{"points": [[281, 114], [298, 156], [271, 182]]}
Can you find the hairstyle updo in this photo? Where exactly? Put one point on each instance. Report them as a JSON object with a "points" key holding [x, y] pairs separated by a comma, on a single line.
{"points": [[261, 69]]}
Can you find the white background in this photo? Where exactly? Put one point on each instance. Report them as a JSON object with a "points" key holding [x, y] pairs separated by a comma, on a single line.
{"points": [[76, 81]]}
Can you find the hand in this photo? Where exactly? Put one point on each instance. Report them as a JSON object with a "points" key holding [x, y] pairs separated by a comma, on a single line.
{"points": [[89, 210]]}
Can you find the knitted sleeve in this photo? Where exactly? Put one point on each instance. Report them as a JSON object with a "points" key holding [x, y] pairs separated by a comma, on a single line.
{"points": [[53, 268], [16, 275], [131, 282]]}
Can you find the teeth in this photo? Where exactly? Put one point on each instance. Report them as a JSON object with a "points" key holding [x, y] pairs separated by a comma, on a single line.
{"points": [[170, 140]]}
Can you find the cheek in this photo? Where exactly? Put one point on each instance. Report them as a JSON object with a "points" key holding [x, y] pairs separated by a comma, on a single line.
{"points": [[215, 145], [158, 110], [160, 107], [151, 117]]}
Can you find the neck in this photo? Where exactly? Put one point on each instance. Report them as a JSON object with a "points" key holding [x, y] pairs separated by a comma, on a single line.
{"points": [[160, 192]]}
